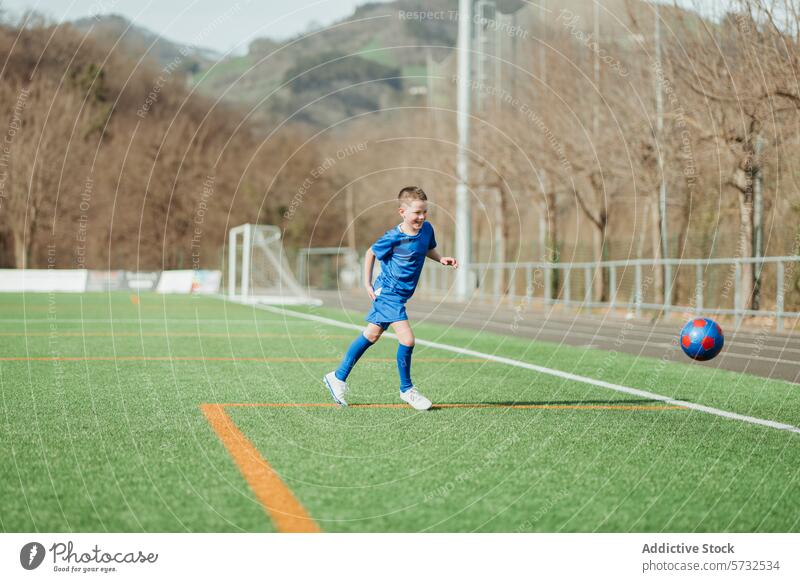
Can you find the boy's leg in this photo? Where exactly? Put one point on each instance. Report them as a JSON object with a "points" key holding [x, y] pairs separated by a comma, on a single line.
{"points": [[408, 393], [369, 336], [405, 337], [335, 381]]}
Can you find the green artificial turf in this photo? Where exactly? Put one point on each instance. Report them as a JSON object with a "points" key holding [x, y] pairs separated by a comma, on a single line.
{"points": [[102, 428]]}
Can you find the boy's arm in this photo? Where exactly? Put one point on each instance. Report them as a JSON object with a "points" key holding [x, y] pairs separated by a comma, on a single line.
{"points": [[369, 263], [447, 261]]}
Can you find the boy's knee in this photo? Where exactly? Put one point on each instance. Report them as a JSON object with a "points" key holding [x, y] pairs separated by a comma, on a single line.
{"points": [[372, 335], [408, 342]]}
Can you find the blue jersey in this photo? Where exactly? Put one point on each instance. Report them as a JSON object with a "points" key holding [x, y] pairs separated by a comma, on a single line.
{"points": [[402, 257]]}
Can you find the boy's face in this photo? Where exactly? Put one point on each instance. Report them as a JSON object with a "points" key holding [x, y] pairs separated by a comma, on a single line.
{"points": [[414, 213]]}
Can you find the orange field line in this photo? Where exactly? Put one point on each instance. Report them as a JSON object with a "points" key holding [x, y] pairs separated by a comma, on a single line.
{"points": [[286, 512], [281, 505], [166, 334], [467, 405], [211, 359]]}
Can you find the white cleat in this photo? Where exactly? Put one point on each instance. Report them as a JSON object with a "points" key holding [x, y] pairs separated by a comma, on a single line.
{"points": [[336, 387], [415, 399]]}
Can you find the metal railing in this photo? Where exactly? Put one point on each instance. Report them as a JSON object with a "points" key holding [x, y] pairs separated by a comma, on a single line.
{"points": [[701, 286]]}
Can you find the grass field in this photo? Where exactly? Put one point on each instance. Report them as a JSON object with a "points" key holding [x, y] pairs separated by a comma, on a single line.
{"points": [[104, 429]]}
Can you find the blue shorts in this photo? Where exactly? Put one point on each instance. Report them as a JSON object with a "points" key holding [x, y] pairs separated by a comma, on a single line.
{"points": [[386, 309]]}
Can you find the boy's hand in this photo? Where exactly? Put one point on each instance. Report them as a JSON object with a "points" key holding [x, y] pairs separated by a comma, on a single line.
{"points": [[449, 262], [370, 292]]}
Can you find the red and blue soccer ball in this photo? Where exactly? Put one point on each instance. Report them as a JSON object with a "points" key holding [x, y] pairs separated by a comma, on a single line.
{"points": [[702, 339]]}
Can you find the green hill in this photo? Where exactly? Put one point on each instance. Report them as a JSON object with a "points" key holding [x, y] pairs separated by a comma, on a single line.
{"points": [[136, 40], [371, 59]]}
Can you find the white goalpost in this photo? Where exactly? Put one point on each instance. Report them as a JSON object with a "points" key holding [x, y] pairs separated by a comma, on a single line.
{"points": [[258, 271]]}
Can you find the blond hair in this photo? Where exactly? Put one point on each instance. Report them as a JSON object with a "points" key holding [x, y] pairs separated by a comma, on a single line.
{"points": [[410, 193]]}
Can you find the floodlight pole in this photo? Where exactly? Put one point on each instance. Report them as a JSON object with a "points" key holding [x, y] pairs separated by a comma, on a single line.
{"points": [[596, 34], [463, 213], [662, 189]]}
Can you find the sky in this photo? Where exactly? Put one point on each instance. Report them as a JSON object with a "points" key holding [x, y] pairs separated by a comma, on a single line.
{"points": [[226, 26], [181, 20]]}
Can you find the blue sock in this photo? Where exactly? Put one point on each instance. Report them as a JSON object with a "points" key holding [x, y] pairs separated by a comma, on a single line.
{"points": [[354, 352], [404, 366]]}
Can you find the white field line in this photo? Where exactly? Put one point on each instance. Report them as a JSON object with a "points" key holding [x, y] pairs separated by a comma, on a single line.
{"points": [[552, 372], [193, 320]]}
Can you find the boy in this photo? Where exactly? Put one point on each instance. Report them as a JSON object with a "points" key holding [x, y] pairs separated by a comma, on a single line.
{"points": [[401, 251]]}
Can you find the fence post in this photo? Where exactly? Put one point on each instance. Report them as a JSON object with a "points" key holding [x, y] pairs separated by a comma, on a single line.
{"points": [[737, 291], [512, 285], [548, 284], [612, 284], [529, 282], [667, 288], [698, 288], [779, 298], [638, 291], [567, 298], [587, 286]]}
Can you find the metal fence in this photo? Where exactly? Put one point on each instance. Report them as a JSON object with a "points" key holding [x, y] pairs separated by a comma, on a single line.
{"points": [[702, 286]]}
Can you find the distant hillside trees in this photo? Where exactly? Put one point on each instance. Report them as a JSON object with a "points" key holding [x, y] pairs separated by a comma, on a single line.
{"points": [[334, 69], [106, 163]]}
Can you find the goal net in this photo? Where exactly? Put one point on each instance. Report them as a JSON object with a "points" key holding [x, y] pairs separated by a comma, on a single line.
{"points": [[258, 271], [328, 268]]}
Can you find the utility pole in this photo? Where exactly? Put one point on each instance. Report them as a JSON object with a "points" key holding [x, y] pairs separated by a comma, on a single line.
{"points": [[499, 243], [598, 241], [478, 63], [758, 220], [596, 18], [758, 201], [662, 189], [544, 235], [463, 213], [497, 54], [514, 60]]}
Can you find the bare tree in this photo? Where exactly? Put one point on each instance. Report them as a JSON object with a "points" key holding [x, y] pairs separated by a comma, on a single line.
{"points": [[739, 76]]}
